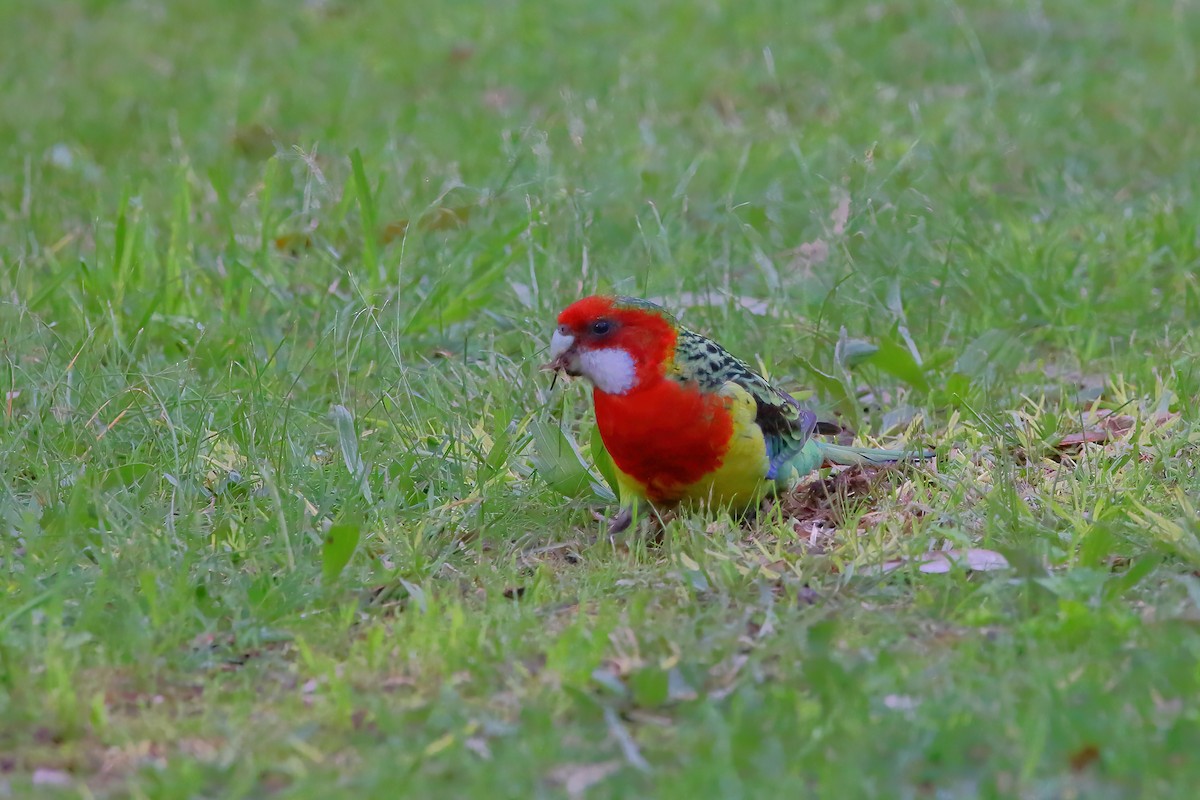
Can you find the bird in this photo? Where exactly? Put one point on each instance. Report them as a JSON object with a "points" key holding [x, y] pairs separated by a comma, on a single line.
{"points": [[684, 420]]}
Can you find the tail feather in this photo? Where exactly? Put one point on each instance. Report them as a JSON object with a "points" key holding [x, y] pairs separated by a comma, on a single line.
{"points": [[857, 456]]}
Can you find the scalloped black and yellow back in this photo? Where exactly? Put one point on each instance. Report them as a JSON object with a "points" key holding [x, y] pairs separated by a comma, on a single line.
{"points": [[786, 425]]}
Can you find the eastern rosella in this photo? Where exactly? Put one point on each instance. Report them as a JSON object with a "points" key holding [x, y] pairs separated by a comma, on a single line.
{"points": [[682, 418]]}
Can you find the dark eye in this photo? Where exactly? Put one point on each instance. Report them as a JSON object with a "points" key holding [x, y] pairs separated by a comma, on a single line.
{"points": [[601, 327]]}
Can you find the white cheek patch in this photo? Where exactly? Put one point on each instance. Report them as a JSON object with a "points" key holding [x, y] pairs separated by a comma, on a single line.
{"points": [[610, 370], [559, 344]]}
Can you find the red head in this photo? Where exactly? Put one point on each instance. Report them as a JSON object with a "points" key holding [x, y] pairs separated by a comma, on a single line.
{"points": [[620, 344]]}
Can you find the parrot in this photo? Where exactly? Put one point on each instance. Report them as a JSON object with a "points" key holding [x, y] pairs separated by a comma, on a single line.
{"points": [[684, 420]]}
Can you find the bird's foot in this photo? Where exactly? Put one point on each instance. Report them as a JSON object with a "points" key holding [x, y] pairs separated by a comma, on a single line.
{"points": [[619, 526], [616, 524], [621, 521]]}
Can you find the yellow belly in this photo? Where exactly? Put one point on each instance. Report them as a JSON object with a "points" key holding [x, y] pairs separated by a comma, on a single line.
{"points": [[740, 480]]}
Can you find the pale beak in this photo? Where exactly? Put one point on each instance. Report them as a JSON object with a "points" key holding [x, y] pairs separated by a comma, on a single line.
{"points": [[563, 357]]}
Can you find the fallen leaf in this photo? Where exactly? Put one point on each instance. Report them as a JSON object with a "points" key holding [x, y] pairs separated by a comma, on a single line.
{"points": [[441, 218], [254, 141], [1121, 424], [810, 254], [394, 230], [499, 98], [820, 503], [1084, 757], [982, 560], [444, 219], [1110, 427], [51, 777], [725, 107], [576, 779], [900, 702], [940, 562], [293, 243], [198, 749], [393, 682], [462, 53], [974, 559], [479, 746], [1091, 436]]}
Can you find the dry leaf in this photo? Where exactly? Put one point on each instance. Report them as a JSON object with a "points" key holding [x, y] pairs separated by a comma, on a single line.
{"points": [[810, 254], [499, 99], [1084, 757], [479, 746], [444, 219], [723, 103], [1120, 424], [821, 502], [254, 141], [576, 779], [973, 558], [1092, 436], [293, 243], [437, 219], [51, 777], [462, 53], [394, 230], [1110, 427], [938, 562], [900, 702]]}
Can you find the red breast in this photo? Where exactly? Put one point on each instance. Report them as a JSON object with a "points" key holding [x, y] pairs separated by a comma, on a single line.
{"points": [[665, 435]]}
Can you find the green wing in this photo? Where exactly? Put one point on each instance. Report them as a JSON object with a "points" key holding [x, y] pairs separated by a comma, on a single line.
{"points": [[785, 424]]}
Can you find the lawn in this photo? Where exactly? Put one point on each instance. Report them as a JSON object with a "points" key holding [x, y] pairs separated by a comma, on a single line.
{"points": [[287, 508]]}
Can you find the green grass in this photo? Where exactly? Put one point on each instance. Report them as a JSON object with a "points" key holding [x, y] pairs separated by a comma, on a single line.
{"points": [[222, 221]]}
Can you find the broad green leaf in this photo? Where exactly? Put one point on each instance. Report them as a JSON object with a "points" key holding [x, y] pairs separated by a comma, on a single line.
{"points": [[650, 687], [340, 543], [1137, 571], [993, 352], [849, 353], [561, 465], [833, 388], [896, 360], [956, 389], [603, 461], [127, 474], [348, 442]]}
